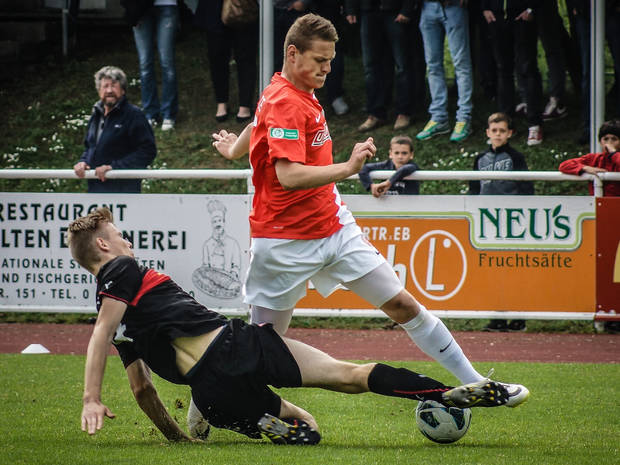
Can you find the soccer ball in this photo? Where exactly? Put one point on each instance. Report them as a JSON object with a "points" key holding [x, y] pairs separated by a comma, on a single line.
{"points": [[440, 423]]}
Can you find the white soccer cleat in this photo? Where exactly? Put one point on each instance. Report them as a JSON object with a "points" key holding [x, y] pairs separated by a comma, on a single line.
{"points": [[196, 424], [517, 394]]}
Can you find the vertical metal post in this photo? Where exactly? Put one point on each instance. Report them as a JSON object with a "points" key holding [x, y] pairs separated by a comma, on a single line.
{"points": [[597, 70], [265, 43]]}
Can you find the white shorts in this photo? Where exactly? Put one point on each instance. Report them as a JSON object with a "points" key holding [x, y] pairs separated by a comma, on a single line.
{"points": [[280, 268]]}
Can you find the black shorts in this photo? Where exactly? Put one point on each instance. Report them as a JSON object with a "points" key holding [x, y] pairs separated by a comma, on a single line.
{"points": [[230, 384]]}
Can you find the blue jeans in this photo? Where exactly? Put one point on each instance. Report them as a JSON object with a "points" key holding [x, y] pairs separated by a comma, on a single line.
{"points": [[437, 21], [160, 23], [379, 33]]}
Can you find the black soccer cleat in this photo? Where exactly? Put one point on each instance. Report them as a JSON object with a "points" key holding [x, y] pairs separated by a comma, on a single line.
{"points": [[483, 393], [280, 432]]}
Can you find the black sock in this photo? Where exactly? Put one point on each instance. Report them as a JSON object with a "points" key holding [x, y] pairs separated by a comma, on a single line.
{"points": [[400, 382]]}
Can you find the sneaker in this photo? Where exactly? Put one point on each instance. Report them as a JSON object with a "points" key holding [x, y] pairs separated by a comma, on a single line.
{"points": [[517, 393], [198, 427], [371, 122], [167, 125], [521, 109], [402, 121], [340, 106], [496, 326], [462, 130], [554, 110], [432, 129], [483, 393], [153, 122], [280, 432], [534, 135], [516, 325]]}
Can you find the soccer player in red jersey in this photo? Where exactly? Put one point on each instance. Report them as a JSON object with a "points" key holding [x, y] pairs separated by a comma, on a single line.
{"points": [[300, 228]]}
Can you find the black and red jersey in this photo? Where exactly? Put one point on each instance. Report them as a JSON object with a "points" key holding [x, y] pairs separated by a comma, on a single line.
{"points": [[158, 311]]}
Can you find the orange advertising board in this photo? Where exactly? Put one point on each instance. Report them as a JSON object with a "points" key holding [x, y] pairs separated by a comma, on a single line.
{"points": [[608, 254], [533, 254]]}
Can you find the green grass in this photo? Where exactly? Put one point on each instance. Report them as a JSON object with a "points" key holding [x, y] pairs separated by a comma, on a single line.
{"points": [[47, 105], [571, 418]]}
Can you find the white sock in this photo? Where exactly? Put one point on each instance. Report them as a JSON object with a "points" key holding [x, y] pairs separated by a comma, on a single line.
{"points": [[435, 340]]}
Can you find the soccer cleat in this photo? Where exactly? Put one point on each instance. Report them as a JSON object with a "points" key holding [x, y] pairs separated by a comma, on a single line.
{"points": [[462, 130], [517, 394], [432, 129], [281, 432], [198, 427], [483, 393]]}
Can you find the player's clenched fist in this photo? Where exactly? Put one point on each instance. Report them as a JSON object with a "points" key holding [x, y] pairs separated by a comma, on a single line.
{"points": [[362, 151]]}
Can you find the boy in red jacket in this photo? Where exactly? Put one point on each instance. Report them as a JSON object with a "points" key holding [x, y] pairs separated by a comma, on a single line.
{"points": [[607, 160]]}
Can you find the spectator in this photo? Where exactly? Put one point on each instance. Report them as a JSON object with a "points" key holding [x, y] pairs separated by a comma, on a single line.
{"points": [[514, 42], [159, 23], [580, 11], [384, 25], [554, 38], [483, 62], [607, 160], [222, 43], [118, 136], [332, 10], [501, 157], [285, 12], [401, 155], [438, 19]]}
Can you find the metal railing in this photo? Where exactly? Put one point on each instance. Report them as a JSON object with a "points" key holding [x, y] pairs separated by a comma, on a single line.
{"points": [[246, 174]]}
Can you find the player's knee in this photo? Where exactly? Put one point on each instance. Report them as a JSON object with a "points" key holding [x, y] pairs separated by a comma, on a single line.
{"points": [[402, 307]]}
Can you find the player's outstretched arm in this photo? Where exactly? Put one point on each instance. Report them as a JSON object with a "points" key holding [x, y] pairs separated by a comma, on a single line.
{"points": [[232, 146], [299, 176], [93, 410], [147, 398]]}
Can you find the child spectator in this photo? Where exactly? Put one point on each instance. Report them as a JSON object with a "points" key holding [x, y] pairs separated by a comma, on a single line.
{"points": [[401, 154], [501, 157], [607, 160]]}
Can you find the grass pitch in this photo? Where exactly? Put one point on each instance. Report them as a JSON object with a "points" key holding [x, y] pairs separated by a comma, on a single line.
{"points": [[571, 418]]}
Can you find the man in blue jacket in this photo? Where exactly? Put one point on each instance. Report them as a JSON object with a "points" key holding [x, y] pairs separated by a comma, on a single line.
{"points": [[118, 136]]}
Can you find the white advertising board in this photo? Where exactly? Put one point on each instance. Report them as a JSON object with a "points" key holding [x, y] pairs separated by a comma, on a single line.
{"points": [[201, 241]]}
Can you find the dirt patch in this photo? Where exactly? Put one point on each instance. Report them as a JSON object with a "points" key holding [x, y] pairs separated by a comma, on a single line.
{"points": [[365, 344]]}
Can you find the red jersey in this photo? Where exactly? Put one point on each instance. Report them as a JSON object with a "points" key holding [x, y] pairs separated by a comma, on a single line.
{"points": [[290, 123], [606, 160]]}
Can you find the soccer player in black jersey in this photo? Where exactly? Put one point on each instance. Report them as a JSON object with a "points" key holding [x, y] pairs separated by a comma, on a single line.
{"points": [[228, 364]]}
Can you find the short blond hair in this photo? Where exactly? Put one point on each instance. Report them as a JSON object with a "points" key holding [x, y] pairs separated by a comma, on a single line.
{"points": [[82, 233], [308, 28]]}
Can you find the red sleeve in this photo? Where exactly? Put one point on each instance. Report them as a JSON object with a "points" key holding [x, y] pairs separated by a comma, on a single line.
{"points": [[575, 165], [286, 132]]}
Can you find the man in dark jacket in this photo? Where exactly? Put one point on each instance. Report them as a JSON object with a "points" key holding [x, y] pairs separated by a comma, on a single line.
{"points": [[118, 136]]}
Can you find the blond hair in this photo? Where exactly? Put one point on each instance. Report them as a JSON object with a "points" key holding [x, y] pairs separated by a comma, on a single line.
{"points": [[308, 28], [82, 233]]}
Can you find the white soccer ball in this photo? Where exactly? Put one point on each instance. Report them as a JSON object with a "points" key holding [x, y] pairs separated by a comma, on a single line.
{"points": [[440, 423]]}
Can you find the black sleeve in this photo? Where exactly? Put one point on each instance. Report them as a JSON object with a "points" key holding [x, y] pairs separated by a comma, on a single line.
{"points": [[403, 172], [121, 280], [364, 174]]}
